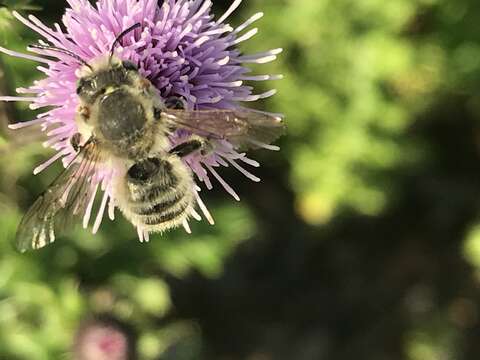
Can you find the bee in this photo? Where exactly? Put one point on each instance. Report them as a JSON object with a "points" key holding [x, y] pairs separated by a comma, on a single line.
{"points": [[123, 121]]}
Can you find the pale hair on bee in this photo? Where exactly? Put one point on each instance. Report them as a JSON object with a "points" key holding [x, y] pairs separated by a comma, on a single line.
{"points": [[124, 123]]}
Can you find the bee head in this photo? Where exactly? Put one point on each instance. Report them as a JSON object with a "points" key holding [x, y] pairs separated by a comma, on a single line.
{"points": [[105, 80], [110, 92], [109, 74]]}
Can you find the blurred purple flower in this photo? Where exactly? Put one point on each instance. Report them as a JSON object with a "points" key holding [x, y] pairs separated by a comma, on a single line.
{"points": [[180, 48], [104, 338]]}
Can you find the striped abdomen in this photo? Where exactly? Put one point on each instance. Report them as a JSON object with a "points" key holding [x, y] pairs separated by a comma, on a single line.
{"points": [[159, 193]]}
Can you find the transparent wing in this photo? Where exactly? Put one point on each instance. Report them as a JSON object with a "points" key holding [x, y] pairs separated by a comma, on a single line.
{"points": [[243, 128], [53, 211]]}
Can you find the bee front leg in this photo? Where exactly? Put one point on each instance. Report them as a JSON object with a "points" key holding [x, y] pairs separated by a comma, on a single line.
{"points": [[75, 141], [192, 145]]}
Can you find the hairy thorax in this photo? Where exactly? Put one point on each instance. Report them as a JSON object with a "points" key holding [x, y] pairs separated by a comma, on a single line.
{"points": [[120, 109]]}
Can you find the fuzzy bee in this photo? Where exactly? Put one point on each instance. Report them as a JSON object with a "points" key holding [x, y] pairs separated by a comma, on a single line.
{"points": [[122, 121]]}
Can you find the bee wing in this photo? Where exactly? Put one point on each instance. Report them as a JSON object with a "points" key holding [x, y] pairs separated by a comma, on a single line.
{"points": [[243, 128], [54, 209]]}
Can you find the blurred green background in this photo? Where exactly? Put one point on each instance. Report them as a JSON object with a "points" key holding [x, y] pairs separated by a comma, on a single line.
{"points": [[361, 242]]}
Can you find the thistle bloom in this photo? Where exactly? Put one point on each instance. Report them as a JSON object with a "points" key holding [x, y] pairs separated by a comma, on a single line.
{"points": [[180, 48]]}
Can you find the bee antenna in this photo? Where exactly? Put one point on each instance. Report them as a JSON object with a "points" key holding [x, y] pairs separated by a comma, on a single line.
{"points": [[121, 36], [63, 51]]}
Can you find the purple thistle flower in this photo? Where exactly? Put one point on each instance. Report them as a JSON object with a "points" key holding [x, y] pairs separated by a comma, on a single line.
{"points": [[180, 48]]}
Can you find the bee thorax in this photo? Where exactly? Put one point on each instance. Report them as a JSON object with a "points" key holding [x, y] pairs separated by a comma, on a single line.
{"points": [[120, 115]]}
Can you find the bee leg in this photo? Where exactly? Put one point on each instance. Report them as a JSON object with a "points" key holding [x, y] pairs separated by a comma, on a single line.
{"points": [[207, 147], [75, 141], [84, 112], [193, 144], [187, 148]]}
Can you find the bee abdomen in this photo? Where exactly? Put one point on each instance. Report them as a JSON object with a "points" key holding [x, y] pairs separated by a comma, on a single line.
{"points": [[160, 207], [150, 179], [155, 191], [167, 217], [159, 194]]}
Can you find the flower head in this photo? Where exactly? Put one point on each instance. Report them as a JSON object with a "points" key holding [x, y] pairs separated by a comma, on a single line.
{"points": [[180, 47]]}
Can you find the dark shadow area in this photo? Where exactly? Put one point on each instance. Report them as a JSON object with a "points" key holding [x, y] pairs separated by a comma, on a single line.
{"points": [[354, 288]]}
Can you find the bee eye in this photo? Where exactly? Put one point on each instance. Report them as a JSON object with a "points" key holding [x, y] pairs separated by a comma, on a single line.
{"points": [[85, 86], [157, 113], [80, 84], [175, 102], [128, 65]]}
